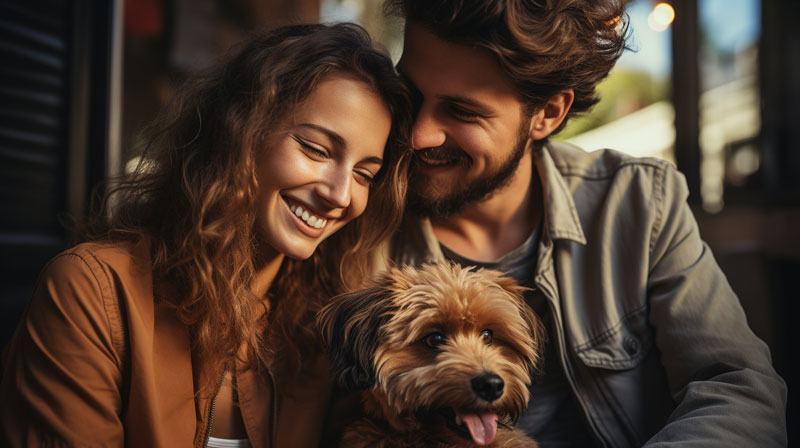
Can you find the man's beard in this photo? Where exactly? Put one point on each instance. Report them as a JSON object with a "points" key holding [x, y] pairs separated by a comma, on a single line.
{"points": [[477, 191]]}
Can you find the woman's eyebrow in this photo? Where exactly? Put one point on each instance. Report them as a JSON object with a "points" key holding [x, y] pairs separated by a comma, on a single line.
{"points": [[336, 138]]}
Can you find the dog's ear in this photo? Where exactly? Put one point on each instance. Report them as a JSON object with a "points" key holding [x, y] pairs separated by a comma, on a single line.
{"points": [[350, 328]]}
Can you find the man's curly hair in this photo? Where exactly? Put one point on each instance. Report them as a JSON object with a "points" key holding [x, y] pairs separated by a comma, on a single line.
{"points": [[543, 46]]}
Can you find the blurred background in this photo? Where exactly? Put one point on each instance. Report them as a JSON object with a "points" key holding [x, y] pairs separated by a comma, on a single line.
{"points": [[712, 86]]}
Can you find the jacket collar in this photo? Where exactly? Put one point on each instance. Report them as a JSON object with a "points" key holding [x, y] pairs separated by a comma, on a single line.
{"points": [[560, 214]]}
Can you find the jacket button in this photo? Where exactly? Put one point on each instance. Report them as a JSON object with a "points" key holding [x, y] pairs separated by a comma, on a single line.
{"points": [[631, 345]]}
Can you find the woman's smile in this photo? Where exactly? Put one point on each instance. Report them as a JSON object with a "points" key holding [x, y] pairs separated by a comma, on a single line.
{"points": [[309, 221]]}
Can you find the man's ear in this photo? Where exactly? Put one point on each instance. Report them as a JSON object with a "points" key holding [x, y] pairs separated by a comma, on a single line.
{"points": [[549, 117]]}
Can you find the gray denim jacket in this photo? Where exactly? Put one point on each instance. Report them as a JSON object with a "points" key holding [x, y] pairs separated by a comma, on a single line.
{"points": [[653, 340]]}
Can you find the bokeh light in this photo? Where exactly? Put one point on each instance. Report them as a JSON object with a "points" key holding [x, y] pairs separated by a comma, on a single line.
{"points": [[661, 17]]}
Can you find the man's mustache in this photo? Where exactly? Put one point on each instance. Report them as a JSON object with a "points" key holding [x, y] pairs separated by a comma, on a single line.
{"points": [[444, 154]]}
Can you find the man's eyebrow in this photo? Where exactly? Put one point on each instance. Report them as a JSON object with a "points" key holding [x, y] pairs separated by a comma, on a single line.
{"points": [[466, 101], [336, 138], [482, 108]]}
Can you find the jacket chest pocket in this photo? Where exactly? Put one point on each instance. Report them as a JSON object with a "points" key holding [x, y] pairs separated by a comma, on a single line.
{"points": [[621, 346]]}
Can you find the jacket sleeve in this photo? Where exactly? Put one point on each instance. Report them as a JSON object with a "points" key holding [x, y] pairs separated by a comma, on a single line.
{"points": [[720, 374], [61, 373]]}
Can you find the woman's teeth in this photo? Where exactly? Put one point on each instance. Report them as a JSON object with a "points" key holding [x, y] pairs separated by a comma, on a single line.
{"points": [[313, 221]]}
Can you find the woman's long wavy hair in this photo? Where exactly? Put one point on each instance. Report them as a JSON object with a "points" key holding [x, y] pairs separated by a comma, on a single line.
{"points": [[193, 196]]}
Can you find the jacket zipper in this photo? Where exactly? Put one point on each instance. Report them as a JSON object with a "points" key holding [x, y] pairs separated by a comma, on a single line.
{"points": [[211, 410]]}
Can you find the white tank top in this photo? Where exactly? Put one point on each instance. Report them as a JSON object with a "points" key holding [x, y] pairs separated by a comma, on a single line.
{"points": [[214, 442]]}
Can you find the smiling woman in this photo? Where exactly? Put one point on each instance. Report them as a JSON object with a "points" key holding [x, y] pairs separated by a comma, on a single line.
{"points": [[318, 173], [186, 320]]}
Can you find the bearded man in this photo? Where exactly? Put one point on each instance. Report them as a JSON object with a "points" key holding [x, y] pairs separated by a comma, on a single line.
{"points": [[648, 345]]}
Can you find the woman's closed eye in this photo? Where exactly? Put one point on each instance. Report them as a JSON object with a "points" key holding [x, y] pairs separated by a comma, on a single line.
{"points": [[317, 151], [365, 177]]}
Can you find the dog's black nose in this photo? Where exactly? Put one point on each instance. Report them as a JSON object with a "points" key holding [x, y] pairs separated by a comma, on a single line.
{"points": [[488, 386]]}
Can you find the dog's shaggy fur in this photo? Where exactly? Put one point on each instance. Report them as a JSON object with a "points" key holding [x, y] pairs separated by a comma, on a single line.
{"points": [[444, 355]]}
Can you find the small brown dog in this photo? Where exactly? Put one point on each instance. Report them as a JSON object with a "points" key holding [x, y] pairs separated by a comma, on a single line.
{"points": [[444, 355]]}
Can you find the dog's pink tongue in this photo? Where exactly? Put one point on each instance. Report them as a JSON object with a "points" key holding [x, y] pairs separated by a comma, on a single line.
{"points": [[482, 427]]}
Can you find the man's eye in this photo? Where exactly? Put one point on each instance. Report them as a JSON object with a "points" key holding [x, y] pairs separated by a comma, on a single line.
{"points": [[461, 113]]}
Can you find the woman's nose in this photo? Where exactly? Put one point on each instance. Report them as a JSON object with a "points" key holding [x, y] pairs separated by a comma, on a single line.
{"points": [[427, 131], [334, 188]]}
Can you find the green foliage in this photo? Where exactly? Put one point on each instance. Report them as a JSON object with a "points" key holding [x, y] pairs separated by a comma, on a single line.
{"points": [[622, 92]]}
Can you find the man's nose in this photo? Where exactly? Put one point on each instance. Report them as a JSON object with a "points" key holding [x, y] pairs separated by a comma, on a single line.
{"points": [[334, 187], [428, 131]]}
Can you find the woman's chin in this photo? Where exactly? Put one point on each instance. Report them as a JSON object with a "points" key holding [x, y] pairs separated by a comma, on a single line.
{"points": [[299, 252], [300, 257], [282, 248]]}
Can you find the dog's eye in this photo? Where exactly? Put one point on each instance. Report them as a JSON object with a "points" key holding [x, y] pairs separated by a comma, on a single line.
{"points": [[487, 336], [434, 340]]}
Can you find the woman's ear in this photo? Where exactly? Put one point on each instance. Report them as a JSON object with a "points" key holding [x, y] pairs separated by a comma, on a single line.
{"points": [[350, 329], [549, 117]]}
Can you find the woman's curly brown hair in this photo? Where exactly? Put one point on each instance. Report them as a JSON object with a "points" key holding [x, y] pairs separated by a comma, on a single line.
{"points": [[543, 46], [193, 196]]}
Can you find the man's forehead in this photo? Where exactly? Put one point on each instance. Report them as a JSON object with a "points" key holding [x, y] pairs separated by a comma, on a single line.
{"points": [[443, 68]]}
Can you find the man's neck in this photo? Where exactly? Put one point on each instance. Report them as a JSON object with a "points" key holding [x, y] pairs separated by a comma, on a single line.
{"points": [[490, 229]]}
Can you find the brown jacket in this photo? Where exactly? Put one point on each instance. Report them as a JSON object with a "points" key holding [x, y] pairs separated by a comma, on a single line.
{"points": [[96, 361]]}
